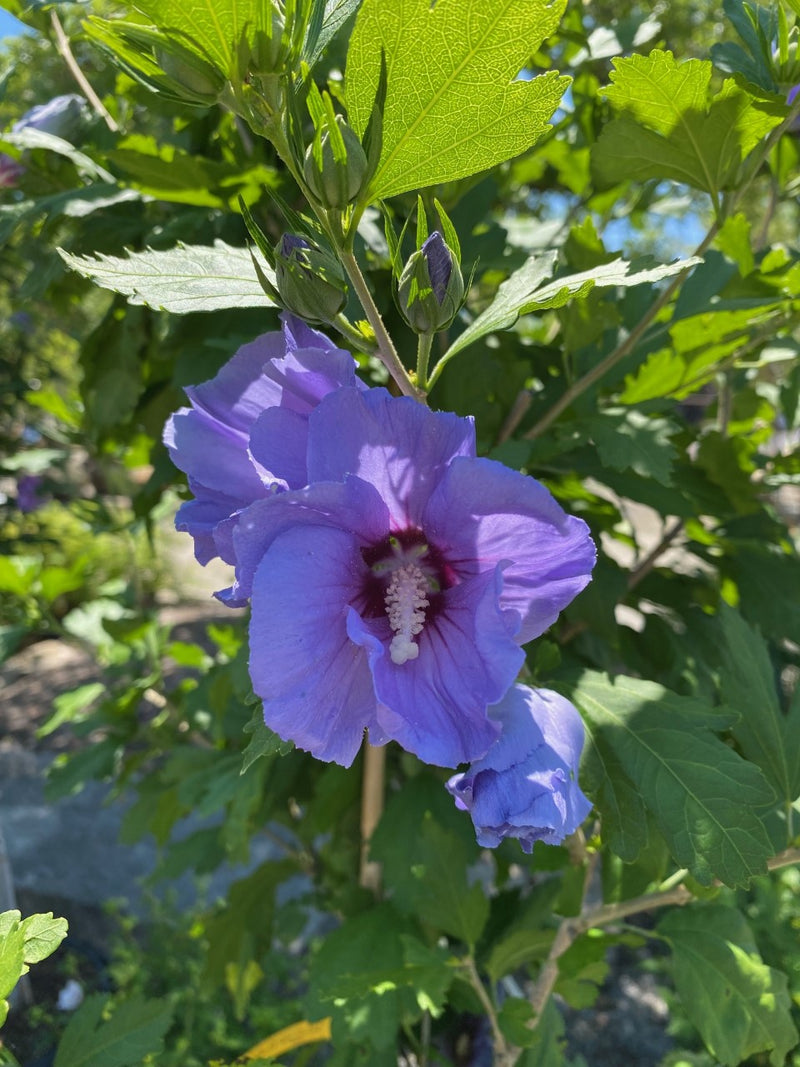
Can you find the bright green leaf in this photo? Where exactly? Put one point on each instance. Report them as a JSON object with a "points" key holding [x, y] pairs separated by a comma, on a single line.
{"points": [[454, 106], [43, 934], [739, 1004], [702, 795], [670, 129], [186, 278], [524, 292]]}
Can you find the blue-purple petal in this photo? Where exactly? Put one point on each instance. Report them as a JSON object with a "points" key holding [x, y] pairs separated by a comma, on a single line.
{"points": [[396, 444], [315, 683], [351, 505], [526, 786], [436, 705], [483, 513]]}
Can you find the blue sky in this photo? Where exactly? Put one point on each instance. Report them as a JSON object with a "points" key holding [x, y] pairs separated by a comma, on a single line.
{"points": [[9, 26]]}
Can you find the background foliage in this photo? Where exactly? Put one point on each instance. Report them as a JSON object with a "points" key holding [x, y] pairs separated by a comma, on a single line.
{"points": [[658, 401]]}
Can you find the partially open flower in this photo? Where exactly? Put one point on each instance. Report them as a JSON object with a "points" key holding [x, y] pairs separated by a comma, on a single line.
{"points": [[526, 786]]}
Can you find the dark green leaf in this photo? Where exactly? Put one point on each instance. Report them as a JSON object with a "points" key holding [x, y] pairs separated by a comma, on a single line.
{"points": [[703, 796], [739, 1004]]}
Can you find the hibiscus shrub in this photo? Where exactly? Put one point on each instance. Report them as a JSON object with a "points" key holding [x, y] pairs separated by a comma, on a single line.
{"points": [[508, 517]]}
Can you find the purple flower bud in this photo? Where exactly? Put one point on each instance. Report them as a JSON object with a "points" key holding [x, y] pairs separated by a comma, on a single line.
{"points": [[440, 264], [431, 287], [309, 279]]}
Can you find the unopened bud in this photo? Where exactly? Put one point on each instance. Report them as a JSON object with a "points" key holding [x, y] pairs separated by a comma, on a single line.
{"points": [[310, 281], [431, 287], [336, 182], [194, 79], [268, 53]]}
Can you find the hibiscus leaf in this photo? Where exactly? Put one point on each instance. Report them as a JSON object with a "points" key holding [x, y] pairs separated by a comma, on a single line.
{"points": [[739, 1004], [334, 15], [43, 934], [671, 129], [702, 794], [454, 104], [134, 1031], [747, 683], [634, 441], [183, 279], [524, 292]]}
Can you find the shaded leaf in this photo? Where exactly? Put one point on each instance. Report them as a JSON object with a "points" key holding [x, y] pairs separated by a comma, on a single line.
{"points": [[748, 684], [739, 1004], [702, 795], [135, 1030]]}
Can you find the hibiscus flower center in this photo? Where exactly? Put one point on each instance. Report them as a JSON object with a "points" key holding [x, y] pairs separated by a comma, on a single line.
{"points": [[404, 579]]}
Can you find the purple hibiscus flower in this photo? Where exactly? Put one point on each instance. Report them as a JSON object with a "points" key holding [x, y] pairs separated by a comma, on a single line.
{"points": [[244, 436], [526, 786], [392, 593], [60, 116]]}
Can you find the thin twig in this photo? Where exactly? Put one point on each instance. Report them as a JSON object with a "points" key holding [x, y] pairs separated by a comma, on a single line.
{"points": [[605, 914], [623, 349], [504, 1054], [63, 46], [519, 409], [372, 791]]}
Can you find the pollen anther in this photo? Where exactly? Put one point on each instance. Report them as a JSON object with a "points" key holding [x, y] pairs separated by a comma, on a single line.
{"points": [[406, 600]]}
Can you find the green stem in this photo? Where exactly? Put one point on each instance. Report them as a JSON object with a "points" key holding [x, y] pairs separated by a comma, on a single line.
{"points": [[352, 335], [424, 342], [387, 353], [504, 1054]]}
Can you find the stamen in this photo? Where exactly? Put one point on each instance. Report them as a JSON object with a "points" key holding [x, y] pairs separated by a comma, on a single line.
{"points": [[406, 600]]}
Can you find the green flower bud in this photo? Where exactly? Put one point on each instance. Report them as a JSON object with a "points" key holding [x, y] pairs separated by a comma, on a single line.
{"points": [[335, 182], [310, 281], [269, 52], [194, 79], [431, 287]]}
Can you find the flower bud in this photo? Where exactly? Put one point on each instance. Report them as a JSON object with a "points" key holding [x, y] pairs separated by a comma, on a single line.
{"points": [[310, 281], [269, 52], [336, 182], [194, 79], [431, 287]]}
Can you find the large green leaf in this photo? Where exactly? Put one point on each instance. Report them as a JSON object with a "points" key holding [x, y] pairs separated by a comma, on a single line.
{"points": [[702, 795], [524, 292], [214, 28], [186, 278], [739, 1004], [454, 105], [671, 129], [747, 683], [134, 1031]]}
